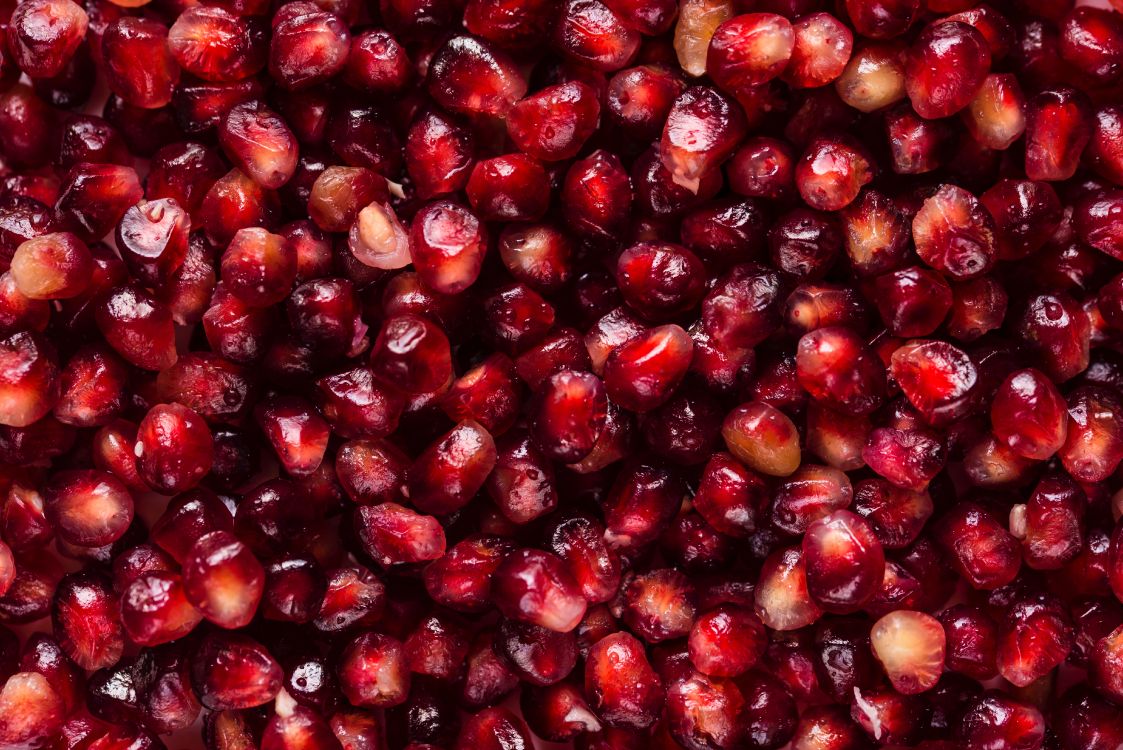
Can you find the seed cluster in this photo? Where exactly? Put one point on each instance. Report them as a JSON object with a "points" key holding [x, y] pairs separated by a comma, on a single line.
{"points": [[625, 374]]}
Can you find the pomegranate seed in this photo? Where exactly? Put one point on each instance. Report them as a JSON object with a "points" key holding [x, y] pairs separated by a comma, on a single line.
{"points": [[354, 596], [1089, 41], [702, 130], [44, 35], [781, 596], [223, 579], [31, 712], [535, 587], [217, 45], [641, 374], [1097, 222], [449, 473], [174, 448], [1058, 127], [954, 234], [552, 124], [308, 47], [373, 671], [447, 243], [946, 67], [461, 580], [259, 143], [750, 50], [509, 188], [88, 508], [980, 547], [908, 458], [821, 50], [910, 645], [995, 719], [1029, 414], [233, 671], [810, 494], [395, 535], [763, 438], [1034, 637], [155, 609], [620, 683], [996, 117], [467, 76], [726, 642], [844, 562], [835, 366], [30, 380], [138, 327], [138, 63], [831, 173], [296, 432], [522, 482], [1093, 446], [874, 78]]}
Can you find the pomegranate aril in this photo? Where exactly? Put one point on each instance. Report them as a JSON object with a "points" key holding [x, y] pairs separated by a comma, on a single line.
{"points": [[139, 66], [831, 173], [88, 508], [534, 587], [259, 143], [308, 47], [174, 448], [31, 713], [1034, 637], [373, 672], [954, 234], [1029, 414], [155, 609], [620, 684], [835, 366], [702, 130], [844, 562], [1094, 446], [763, 438], [979, 545], [1058, 127], [43, 35], [395, 535], [468, 76], [354, 597], [233, 671], [223, 579], [139, 327], [995, 719], [296, 432], [30, 383], [946, 67]]}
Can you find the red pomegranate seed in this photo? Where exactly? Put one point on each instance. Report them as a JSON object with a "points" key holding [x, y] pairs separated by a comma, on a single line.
{"points": [[702, 130], [223, 579], [394, 535], [233, 671], [174, 448], [999, 720], [979, 545], [946, 67], [534, 587], [155, 609], [1058, 127], [138, 63], [373, 672], [762, 437]]}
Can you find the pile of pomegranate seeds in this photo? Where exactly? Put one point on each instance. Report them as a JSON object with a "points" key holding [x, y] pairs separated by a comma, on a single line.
{"points": [[622, 374]]}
